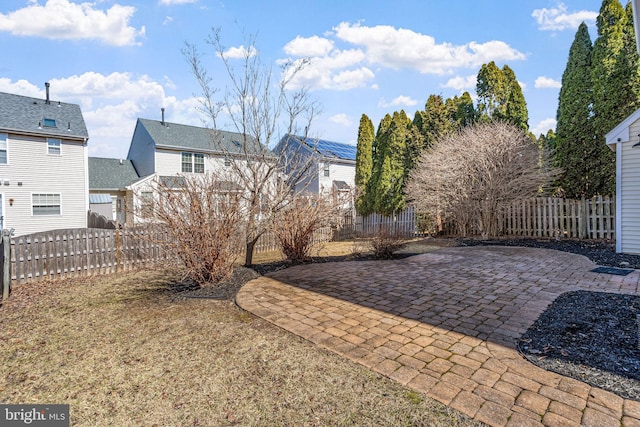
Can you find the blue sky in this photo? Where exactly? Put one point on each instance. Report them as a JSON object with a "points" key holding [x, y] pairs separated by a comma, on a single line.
{"points": [[122, 59]]}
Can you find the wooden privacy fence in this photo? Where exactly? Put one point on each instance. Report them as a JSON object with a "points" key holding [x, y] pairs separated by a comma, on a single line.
{"points": [[84, 251], [403, 223], [553, 217]]}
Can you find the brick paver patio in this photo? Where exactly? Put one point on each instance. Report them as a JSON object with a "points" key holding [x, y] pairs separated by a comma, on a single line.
{"points": [[445, 323]]}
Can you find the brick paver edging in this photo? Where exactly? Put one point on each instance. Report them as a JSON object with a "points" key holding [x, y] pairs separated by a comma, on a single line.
{"points": [[445, 324]]}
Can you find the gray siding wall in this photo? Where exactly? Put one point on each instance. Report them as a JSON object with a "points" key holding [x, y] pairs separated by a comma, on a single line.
{"points": [[338, 171], [31, 170], [630, 194]]}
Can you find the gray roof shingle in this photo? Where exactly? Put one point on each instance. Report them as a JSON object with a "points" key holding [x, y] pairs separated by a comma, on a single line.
{"points": [[23, 114], [174, 135], [111, 174]]}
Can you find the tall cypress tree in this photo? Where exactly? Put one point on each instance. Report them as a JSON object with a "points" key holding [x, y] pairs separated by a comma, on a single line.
{"points": [[364, 163], [515, 109], [461, 110], [575, 146], [386, 186], [608, 87], [500, 96]]}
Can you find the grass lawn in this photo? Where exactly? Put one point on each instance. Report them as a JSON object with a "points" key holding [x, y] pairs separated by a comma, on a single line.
{"points": [[124, 350]]}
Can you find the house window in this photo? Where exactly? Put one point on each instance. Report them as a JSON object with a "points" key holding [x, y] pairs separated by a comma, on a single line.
{"points": [[187, 165], [227, 162], [192, 162], [53, 146], [3, 148], [50, 123], [198, 163], [46, 204], [326, 169]]}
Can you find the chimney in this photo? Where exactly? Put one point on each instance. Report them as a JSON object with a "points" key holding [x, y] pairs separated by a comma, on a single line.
{"points": [[162, 122], [46, 86]]}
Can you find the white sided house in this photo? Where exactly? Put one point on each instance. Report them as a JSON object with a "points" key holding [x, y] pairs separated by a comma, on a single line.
{"points": [[624, 139], [161, 151], [43, 164], [332, 166]]}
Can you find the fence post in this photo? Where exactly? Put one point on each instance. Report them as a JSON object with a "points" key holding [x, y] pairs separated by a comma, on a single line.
{"points": [[6, 264]]}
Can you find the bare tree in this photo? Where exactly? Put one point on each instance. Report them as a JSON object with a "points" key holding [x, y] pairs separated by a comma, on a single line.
{"points": [[470, 176], [261, 108], [198, 216]]}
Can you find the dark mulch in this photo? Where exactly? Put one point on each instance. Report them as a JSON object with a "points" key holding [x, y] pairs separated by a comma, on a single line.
{"points": [[589, 336]]}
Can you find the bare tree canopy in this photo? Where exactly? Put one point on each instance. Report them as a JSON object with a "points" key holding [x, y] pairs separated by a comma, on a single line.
{"points": [[468, 177], [260, 106]]}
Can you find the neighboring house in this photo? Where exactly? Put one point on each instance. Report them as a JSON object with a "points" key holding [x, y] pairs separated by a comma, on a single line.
{"points": [[110, 188], [332, 168], [43, 164], [161, 151], [170, 149], [624, 139]]}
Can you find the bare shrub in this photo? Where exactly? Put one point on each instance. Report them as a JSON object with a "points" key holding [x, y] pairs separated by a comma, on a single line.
{"points": [[385, 242], [200, 216], [297, 224], [469, 177]]}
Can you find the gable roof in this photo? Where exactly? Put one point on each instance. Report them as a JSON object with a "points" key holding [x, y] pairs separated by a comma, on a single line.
{"points": [[620, 133], [324, 148], [111, 174], [26, 115], [194, 138]]}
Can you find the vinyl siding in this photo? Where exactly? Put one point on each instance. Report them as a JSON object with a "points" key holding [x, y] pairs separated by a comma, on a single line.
{"points": [[338, 171], [40, 173], [169, 162], [630, 194]]}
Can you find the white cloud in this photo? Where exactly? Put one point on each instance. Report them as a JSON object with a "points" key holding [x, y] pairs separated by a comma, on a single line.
{"points": [[336, 68], [399, 101], [543, 127], [61, 19], [239, 52], [544, 82], [402, 48], [558, 18], [341, 119], [460, 83], [308, 46], [111, 104], [167, 20], [171, 2]]}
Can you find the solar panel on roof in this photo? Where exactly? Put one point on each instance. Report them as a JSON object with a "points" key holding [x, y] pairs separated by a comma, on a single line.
{"points": [[335, 149]]}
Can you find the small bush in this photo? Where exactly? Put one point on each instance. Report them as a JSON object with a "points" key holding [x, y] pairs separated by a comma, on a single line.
{"points": [[386, 242], [296, 225]]}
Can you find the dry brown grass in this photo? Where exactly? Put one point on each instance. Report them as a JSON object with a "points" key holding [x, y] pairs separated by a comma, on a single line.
{"points": [[123, 350]]}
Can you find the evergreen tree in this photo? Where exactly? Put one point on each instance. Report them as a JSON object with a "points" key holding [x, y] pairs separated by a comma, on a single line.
{"points": [[608, 86], [461, 110], [386, 186], [515, 109], [575, 146], [489, 90], [500, 96], [364, 162]]}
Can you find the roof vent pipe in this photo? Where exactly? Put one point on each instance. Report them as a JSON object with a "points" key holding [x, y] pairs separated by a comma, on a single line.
{"points": [[46, 87], [162, 122]]}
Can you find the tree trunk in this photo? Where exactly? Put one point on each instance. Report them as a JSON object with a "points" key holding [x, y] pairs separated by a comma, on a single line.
{"points": [[248, 257]]}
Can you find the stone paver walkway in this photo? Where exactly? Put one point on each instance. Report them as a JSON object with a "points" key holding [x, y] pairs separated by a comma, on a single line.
{"points": [[444, 324]]}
